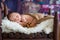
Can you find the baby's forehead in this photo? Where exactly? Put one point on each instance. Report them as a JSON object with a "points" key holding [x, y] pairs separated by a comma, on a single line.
{"points": [[14, 14]]}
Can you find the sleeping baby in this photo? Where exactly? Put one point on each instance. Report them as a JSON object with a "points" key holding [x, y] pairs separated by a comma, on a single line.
{"points": [[29, 23], [26, 20]]}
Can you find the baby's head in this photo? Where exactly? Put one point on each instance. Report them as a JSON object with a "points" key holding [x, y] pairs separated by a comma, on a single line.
{"points": [[14, 16]]}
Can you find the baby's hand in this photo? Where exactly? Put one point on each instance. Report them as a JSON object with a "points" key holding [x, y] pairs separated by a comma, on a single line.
{"points": [[23, 24]]}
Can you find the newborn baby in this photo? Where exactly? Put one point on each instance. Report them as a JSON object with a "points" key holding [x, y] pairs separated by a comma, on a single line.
{"points": [[24, 19]]}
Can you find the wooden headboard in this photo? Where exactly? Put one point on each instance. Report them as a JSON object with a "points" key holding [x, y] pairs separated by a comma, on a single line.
{"points": [[55, 31]]}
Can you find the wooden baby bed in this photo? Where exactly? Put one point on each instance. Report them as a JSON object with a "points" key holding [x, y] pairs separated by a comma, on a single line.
{"points": [[36, 36]]}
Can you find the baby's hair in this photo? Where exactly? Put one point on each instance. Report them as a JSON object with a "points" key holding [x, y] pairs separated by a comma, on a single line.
{"points": [[10, 12]]}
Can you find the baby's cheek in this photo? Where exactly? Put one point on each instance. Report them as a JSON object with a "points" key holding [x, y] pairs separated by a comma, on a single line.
{"points": [[19, 19], [12, 19]]}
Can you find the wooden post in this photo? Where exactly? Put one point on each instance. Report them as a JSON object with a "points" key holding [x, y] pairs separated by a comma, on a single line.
{"points": [[55, 31], [49, 11], [58, 31], [5, 10], [0, 25]]}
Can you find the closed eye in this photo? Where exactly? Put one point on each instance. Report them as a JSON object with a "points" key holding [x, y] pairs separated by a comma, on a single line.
{"points": [[17, 16]]}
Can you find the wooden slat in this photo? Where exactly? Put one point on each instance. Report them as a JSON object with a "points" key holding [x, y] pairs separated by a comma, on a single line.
{"points": [[5, 10], [27, 39], [58, 32], [49, 11], [0, 25], [0, 16], [24, 36], [55, 26]]}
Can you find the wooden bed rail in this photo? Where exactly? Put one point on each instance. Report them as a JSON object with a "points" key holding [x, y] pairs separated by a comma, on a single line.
{"points": [[0, 25], [55, 26], [55, 32]]}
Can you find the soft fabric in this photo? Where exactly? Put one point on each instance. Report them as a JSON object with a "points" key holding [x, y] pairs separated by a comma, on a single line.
{"points": [[9, 26]]}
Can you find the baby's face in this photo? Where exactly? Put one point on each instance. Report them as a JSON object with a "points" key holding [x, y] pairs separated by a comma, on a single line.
{"points": [[15, 17]]}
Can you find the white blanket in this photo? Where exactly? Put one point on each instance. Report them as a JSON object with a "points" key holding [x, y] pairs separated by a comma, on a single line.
{"points": [[9, 26]]}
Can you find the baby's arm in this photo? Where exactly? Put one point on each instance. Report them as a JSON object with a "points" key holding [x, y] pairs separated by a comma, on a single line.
{"points": [[23, 24]]}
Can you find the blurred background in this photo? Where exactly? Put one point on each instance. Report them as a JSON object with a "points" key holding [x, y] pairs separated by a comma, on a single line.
{"points": [[44, 5]]}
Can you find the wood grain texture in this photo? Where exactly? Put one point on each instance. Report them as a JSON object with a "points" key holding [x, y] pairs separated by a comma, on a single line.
{"points": [[24, 36], [0, 25], [58, 32], [55, 26], [27, 39]]}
